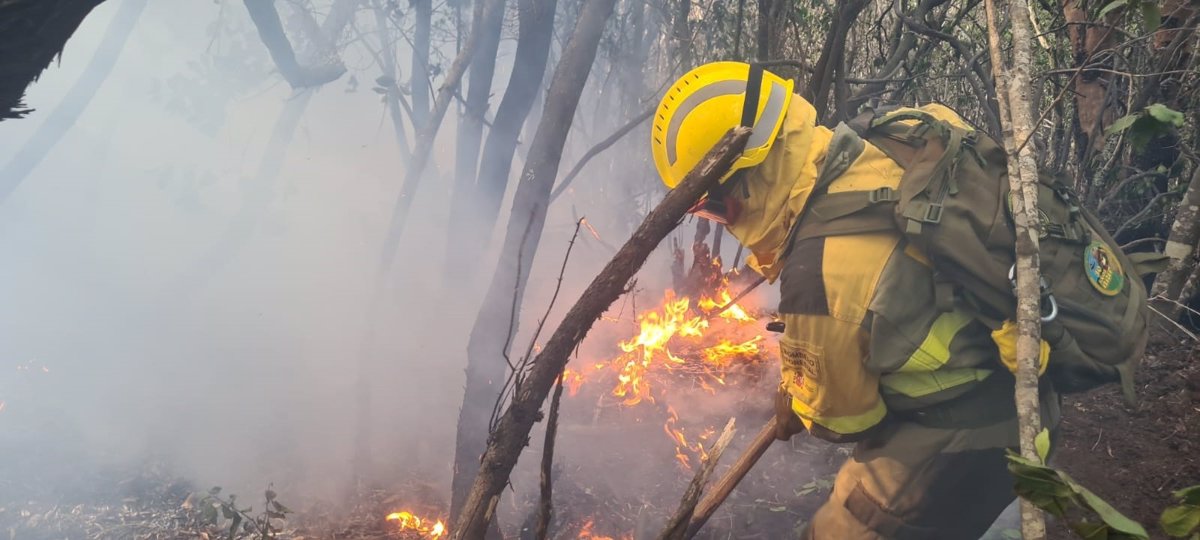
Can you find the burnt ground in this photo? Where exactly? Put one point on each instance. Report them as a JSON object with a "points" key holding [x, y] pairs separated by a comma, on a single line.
{"points": [[1132, 457], [1135, 457]]}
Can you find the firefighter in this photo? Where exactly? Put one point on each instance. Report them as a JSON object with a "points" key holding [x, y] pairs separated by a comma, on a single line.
{"points": [[868, 356]]}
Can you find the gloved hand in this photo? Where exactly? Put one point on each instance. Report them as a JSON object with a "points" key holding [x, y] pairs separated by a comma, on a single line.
{"points": [[1006, 341], [787, 423]]}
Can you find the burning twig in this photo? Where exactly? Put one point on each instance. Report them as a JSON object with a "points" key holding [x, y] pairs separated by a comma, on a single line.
{"points": [[677, 527], [735, 474], [512, 433], [547, 506]]}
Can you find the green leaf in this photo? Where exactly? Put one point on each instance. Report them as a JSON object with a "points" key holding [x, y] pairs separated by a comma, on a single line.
{"points": [[1151, 19], [1189, 495], [270, 495], [1121, 124], [1115, 4], [1165, 114], [1114, 519], [281, 508], [215, 490], [1042, 443], [1180, 521]]}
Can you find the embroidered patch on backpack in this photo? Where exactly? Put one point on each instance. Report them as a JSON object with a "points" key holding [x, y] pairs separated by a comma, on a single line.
{"points": [[1103, 269]]}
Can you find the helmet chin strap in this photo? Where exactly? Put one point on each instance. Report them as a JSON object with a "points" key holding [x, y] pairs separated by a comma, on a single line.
{"points": [[720, 205]]}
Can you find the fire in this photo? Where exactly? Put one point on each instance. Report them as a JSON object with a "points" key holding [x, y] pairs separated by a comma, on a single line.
{"points": [[409, 522], [680, 340], [682, 446], [586, 533], [677, 325]]}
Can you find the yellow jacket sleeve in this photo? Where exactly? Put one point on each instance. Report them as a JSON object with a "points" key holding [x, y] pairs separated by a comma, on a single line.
{"points": [[823, 368]]}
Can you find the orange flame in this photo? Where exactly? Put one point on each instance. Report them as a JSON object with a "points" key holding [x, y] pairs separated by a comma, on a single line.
{"points": [[410, 522], [585, 533]]}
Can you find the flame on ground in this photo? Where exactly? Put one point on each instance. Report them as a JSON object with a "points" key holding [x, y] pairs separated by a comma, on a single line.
{"points": [[410, 522], [676, 326], [585, 533]]}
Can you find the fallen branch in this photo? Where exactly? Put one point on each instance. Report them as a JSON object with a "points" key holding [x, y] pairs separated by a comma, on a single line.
{"points": [[721, 490], [512, 432], [679, 524]]}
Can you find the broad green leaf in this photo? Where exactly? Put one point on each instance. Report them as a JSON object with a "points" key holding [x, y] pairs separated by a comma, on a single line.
{"points": [[1180, 521], [1189, 495], [1115, 4], [1151, 19], [1042, 443], [1121, 124], [1165, 114], [1114, 519]]}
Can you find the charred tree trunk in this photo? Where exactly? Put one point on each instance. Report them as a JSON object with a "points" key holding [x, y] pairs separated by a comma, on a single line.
{"points": [[418, 83], [63, 117], [512, 431], [493, 325], [473, 214], [471, 129]]}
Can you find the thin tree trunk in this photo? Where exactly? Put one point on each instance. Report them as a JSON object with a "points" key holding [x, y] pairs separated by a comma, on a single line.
{"points": [[471, 127], [63, 117], [387, 53], [260, 188], [427, 136], [1017, 121], [831, 63], [1185, 232], [493, 326], [418, 83], [270, 32], [473, 215], [512, 431]]}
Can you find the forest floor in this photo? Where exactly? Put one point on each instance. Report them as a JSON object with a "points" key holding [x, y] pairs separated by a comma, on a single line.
{"points": [[1135, 457], [1132, 457]]}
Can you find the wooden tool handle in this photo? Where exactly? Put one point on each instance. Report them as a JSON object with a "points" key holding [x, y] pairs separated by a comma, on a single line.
{"points": [[721, 490]]}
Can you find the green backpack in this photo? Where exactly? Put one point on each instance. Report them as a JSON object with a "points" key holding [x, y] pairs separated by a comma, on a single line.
{"points": [[952, 204]]}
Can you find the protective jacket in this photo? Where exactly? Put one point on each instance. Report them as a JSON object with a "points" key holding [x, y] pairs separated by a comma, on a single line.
{"points": [[863, 336]]}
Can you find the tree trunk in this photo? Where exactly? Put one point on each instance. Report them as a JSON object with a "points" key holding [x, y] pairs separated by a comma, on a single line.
{"points": [[470, 132], [259, 189], [1017, 120], [1088, 38], [427, 136], [387, 57], [418, 83], [831, 64], [270, 32], [60, 120], [1181, 245], [493, 326], [512, 431], [473, 215]]}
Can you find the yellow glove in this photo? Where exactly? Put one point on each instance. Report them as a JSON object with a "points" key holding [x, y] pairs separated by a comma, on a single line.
{"points": [[1006, 341]]}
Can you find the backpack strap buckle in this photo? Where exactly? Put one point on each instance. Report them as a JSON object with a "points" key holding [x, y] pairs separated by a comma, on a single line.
{"points": [[883, 194], [933, 213]]}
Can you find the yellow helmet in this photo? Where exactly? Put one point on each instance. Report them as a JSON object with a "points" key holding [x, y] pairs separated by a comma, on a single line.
{"points": [[704, 104]]}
